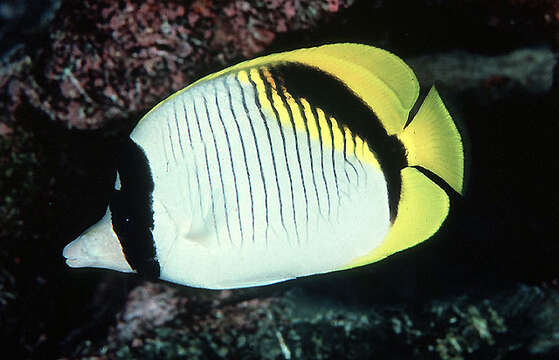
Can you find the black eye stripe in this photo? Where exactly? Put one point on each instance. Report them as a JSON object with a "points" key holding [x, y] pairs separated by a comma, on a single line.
{"points": [[132, 210]]}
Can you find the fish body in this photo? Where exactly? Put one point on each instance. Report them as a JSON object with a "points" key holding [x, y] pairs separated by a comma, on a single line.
{"points": [[287, 165]]}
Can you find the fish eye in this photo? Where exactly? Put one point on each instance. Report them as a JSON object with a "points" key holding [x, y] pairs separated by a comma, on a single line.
{"points": [[120, 212]]}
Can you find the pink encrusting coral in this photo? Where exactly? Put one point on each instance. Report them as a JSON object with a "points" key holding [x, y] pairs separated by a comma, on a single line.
{"points": [[123, 56]]}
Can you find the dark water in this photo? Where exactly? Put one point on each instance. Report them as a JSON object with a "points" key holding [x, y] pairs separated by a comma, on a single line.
{"points": [[489, 270]]}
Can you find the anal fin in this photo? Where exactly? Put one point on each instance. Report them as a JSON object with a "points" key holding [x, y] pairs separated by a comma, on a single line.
{"points": [[422, 209]]}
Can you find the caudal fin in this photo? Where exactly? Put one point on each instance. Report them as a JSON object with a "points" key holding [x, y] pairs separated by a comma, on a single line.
{"points": [[433, 142]]}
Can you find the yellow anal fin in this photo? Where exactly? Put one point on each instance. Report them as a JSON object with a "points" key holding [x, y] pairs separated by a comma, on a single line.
{"points": [[422, 209], [433, 142]]}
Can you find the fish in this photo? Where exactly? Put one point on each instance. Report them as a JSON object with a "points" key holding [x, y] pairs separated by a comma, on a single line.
{"points": [[287, 165]]}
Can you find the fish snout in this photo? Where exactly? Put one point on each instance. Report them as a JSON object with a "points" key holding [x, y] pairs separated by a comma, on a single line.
{"points": [[75, 253], [98, 247]]}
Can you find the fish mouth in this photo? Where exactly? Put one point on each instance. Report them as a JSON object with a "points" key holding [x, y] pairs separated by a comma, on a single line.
{"points": [[75, 254], [73, 262], [96, 250], [97, 247]]}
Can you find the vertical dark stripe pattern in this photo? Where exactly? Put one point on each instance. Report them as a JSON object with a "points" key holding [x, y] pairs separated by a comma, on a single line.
{"points": [[281, 93], [333, 155], [219, 161], [207, 166], [171, 141], [177, 126], [265, 122], [309, 148], [245, 159], [247, 113], [321, 141], [195, 166], [233, 172], [269, 88], [337, 100]]}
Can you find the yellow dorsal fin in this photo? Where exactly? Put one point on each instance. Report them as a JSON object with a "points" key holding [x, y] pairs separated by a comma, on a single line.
{"points": [[381, 79], [422, 209], [387, 67], [433, 142]]}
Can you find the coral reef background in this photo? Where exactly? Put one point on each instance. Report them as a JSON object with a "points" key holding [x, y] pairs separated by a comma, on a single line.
{"points": [[76, 76]]}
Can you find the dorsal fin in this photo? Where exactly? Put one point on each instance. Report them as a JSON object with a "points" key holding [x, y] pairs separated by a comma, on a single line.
{"points": [[381, 79]]}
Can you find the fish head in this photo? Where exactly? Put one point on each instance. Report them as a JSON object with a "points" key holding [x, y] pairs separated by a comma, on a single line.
{"points": [[98, 246]]}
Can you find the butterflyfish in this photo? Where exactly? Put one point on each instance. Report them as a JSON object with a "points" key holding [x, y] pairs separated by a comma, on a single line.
{"points": [[287, 165]]}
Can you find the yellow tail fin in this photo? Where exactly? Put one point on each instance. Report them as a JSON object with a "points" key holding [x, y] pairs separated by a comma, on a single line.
{"points": [[433, 142]]}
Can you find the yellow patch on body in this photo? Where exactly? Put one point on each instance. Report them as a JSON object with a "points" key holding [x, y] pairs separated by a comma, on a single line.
{"points": [[295, 110], [336, 137], [311, 121]]}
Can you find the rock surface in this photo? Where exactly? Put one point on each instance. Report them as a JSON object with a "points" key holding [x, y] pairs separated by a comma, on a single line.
{"points": [[124, 56], [483, 288], [516, 323]]}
